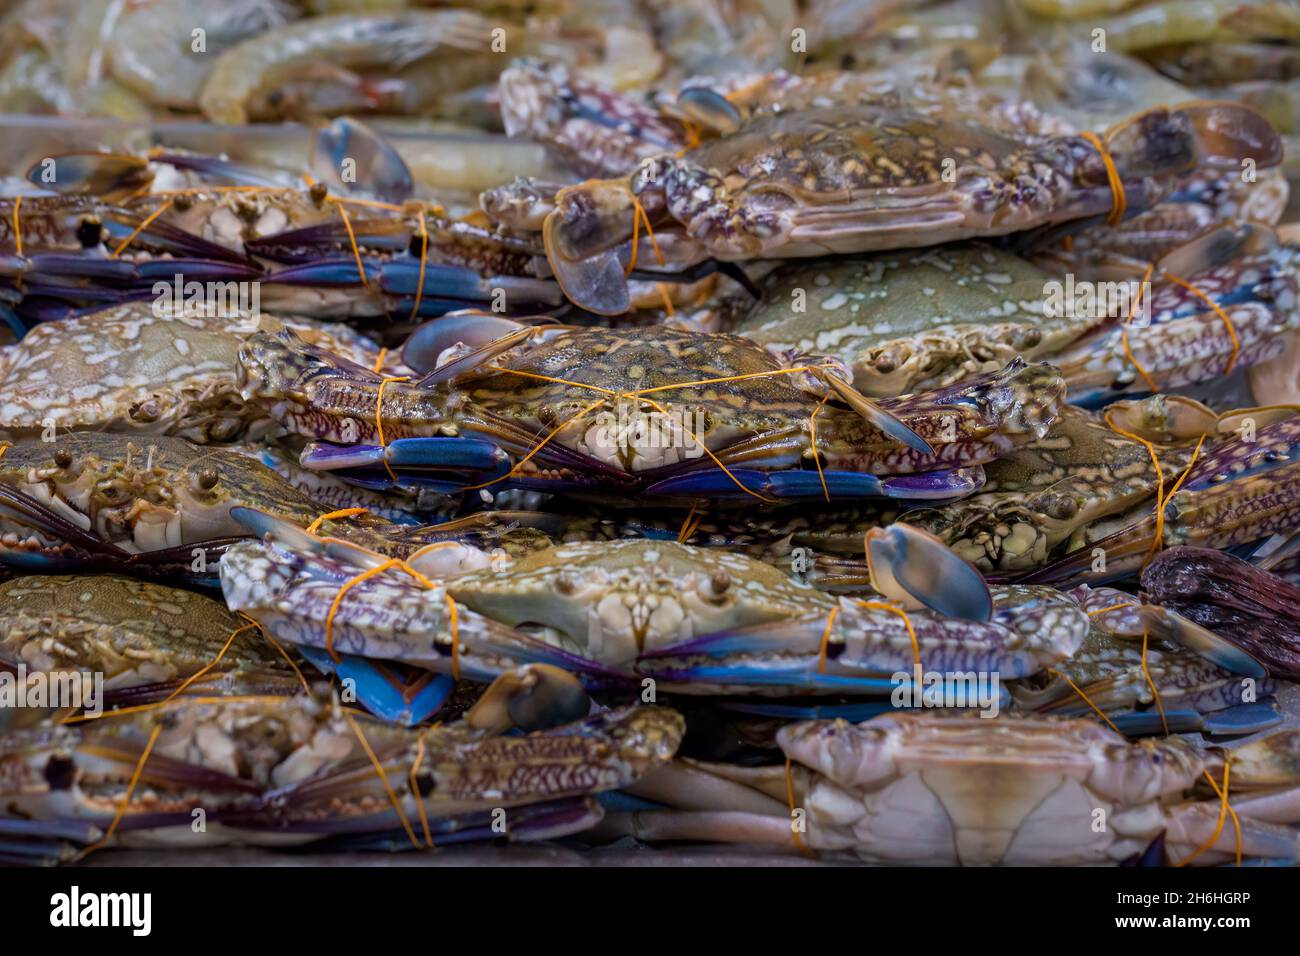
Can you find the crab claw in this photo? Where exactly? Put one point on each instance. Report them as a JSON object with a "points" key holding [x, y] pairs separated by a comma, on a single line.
{"points": [[710, 109], [916, 569], [1174, 627], [582, 236], [887, 422], [942, 485], [380, 169], [476, 337], [112, 176], [380, 689], [533, 697]]}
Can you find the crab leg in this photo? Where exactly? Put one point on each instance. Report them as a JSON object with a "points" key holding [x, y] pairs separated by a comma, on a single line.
{"points": [[861, 647]]}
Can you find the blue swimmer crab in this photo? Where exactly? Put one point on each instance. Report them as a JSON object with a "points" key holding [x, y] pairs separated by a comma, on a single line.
{"points": [[932, 789], [911, 320], [145, 640], [693, 415], [859, 179], [1235, 494], [133, 368], [696, 620], [276, 771]]}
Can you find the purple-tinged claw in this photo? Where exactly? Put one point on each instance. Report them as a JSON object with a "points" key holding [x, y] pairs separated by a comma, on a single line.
{"points": [[715, 483], [745, 482], [472, 454], [916, 569], [197, 270], [946, 484]]}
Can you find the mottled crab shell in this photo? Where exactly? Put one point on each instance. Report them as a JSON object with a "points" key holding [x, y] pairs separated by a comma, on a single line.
{"points": [[133, 632], [910, 320], [134, 368], [601, 594], [850, 180], [145, 493], [1041, 494]]}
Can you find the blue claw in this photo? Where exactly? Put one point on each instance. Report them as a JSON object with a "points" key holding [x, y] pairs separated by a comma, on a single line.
{"points": [[466, 461], [926, 486], [474, 453], [804, 676], [380, 690], [1178, 629], [1147, 723], [715, 483], [196, 270], [1242, 719], [916, 568]]}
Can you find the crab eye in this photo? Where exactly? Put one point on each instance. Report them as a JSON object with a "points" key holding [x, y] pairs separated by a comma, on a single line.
{"points": [[90, 232], [63, 458], [720, 581], [207, 479]]}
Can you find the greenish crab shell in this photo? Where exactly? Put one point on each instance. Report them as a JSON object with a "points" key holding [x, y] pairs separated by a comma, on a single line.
{"points": [[133, 369], [133, 632], [913, 319], [1048, 491], [617, 599]]}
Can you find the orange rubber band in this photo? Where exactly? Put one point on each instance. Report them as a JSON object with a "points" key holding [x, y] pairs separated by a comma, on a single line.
{"points": [[18, 227], [1128, 351], [789, 794], [126, 797], [1118, 202], [424, 258], [1100, 713], [331, 516], [1224, 809], [455, 637], [352, 238], [379, 417], [812, 441], [1232, 332], [415, 791], [383, 779], [1152, 684], [213, 663], [141, 228]]}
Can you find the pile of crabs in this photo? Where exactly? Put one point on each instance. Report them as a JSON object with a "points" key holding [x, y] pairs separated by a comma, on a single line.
{"points": [[851, 437]]}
